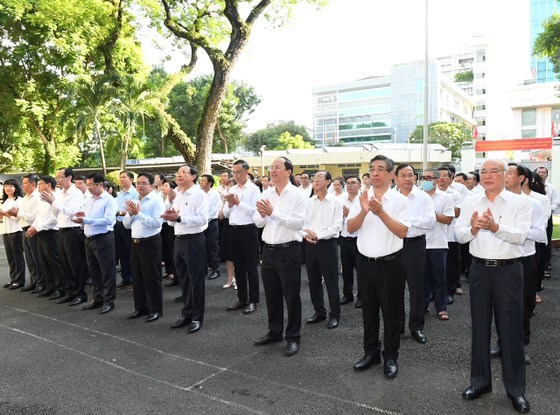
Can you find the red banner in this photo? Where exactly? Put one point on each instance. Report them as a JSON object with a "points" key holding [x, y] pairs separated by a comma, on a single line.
{"points": [[518, 144]]}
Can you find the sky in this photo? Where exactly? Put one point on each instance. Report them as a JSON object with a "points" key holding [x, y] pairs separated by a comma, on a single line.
{"points": [[353, 39]]}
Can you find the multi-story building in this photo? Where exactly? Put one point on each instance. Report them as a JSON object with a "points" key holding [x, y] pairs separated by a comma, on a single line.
{"points": [[540, 10]]}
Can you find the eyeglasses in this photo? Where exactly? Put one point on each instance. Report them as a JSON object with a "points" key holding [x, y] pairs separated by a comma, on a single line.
{"points": [[377, 170], [491, 171], [427, 178], [276, 168], [142, 183], [349, 183]]}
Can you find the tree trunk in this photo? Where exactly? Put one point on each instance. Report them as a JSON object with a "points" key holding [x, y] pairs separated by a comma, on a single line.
{"points": [[222, 138], [101, 149], [124, 152]]}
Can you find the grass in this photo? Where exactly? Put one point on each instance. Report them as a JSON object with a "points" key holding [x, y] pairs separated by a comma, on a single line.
{"points": [[556, 227]]}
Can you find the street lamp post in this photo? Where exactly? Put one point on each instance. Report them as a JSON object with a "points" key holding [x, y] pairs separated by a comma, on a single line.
{"points": [[263, 147], [425, 138]]}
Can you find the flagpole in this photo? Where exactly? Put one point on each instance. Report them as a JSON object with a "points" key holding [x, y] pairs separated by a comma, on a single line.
{"points": [[425, 141]]}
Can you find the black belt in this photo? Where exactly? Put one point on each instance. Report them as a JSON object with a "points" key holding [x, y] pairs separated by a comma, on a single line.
{"points": [[285, 245], [494, 262], [385, 258], [188, 235], [415, 238], [249, 225], [99, 235], [527, 259], [71, 228], [49, 231], [349, 238], [142, 240]]}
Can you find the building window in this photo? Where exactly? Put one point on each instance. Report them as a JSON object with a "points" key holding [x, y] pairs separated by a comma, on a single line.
{"points": [[529, 123]]}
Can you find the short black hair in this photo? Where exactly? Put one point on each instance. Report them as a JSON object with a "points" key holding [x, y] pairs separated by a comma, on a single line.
{"points": [[50, 180], [147, 176], [97, 177], [353, 177], [463, 175], [389, 162], [68, 172], [210, 179], [242, 163], [541, 167], [32, 177], [128, 173], [404, 166], [80, 177], [445, 168]]}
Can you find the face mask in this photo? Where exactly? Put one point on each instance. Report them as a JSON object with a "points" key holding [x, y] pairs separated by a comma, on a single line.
{"points": [[427, 185]]}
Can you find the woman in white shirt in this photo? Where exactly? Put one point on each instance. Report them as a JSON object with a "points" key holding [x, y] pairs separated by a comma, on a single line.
{"points": [[12, 233]]}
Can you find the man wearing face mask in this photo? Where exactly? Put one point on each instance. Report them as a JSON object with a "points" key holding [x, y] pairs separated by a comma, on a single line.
{"points": [[436, 244]]}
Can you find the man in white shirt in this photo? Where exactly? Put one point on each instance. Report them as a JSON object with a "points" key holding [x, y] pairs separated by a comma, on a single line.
{"points": [[143, 218], [323, 223], [381, 220], [123, 240], [305, 184], [281, 211], [422, 220], [240, 208], [552, 194], [496, 223], [189, 216], [212, 233]]}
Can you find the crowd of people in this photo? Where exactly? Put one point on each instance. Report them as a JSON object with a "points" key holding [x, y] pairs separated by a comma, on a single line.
{"points": [[393, 228]]}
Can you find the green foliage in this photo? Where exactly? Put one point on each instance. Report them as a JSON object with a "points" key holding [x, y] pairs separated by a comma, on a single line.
{"points": [[449, 135], [547, 43], [270, 135], [466, 76], [288, 141]]}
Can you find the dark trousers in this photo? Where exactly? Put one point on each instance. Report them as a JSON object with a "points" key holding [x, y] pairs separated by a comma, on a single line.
{"points": [[190, 263], [497, 291], [381, 285], [243, 241], [167, 242], [413, 261], [466, 259], [542, 253], [212, 234], [453, 267], [33, 261], [322, 264], [100, 254], [72, 257], [13, 244], [145, 263], [123, 242], [529, 294], [434, 279], [281, 276], [47, 244], [548, 251], [348, 258]]}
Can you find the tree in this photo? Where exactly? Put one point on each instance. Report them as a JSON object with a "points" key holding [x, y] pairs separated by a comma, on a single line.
{"points": [[547, 43], [222, 29], [288, 141], [270, 135], [466, 76], [449, 135]]}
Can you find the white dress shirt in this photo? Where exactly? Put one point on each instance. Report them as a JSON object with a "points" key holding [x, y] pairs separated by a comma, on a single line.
{"points": [[222, 190], [374, 238], [460, 188], [552, 194], [346, 202], [545, 202], [537, 232], [46, 218], [436, 238], [512, 212], [324, 217], [286, 221], [148, 221], [458, 199], [100, 214], [242, 214], [28, 209], [306, 190], [214, 204], [11, 223], [67, 203], [422, 213], [192, 206]]}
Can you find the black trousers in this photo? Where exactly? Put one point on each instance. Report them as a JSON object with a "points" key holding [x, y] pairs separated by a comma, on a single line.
{"points": [[322, 264], [434, 279], [243, 241], [453, 267], [529, 294], [381, 285], [72, 257], [13, 244], [548, 250], [466, 259], [100, 254], [497, 291], [413, 262], [47, 244], [145, 262], [281, 276], [190, 263], [123, 242], [542, 254], [348, 258], [167, 242], [33, 261], [212, 234]]}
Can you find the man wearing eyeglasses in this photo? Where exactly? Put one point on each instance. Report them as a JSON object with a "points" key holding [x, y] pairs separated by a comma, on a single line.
{"points": [[496, 223], [381, 221]]}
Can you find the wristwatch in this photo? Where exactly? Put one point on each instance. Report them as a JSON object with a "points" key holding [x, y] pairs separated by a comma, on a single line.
{"points": [[178, 219]]}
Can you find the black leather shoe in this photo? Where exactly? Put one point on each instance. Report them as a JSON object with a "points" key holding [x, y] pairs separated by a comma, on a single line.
{"points": [[346, 300], [46, 293], [315, 318], [291, 348], [333, 323], [178, 299], [390, 368], [214, 274], [106, 308], [93, 305], [76, 301], [238, 305], [15, 286], [182, 322], [7, 285], [358, 304], [153, 317], [28, 288], [66, 299], [250, 308], [56, 295], [136, 314], [366, 362], [520, 404], [267, 339], [37, 290], [123, 284], [527, 359], [172, 283], [419, 336], [470, 394], [195, 326], [450, 299], [496, 352]]}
